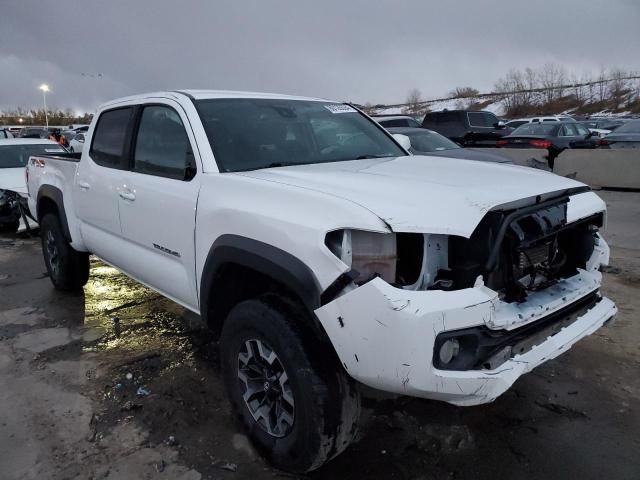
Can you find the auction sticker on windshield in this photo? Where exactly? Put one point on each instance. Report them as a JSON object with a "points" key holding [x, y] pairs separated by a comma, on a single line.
{"points": [[339, 108]]}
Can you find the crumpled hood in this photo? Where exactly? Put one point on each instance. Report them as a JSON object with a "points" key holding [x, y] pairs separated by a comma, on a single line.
{"points": [[13, 179], [422, 194]]}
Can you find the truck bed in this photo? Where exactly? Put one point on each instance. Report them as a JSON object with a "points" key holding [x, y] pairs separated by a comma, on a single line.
{"points": [[54, 175]]}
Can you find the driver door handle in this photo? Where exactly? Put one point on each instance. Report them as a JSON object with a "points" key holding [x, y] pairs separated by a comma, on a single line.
{"points": [[84, 185], [128, 196]]}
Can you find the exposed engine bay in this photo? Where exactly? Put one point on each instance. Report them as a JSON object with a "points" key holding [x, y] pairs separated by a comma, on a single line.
{"points": [[521, 251]]}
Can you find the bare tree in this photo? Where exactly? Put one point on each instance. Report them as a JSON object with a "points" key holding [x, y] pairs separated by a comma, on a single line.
{"points": [[552, 79], [368, 108], [464, 92], [601, 83], [414, 102], [513, 89], [618, 88]]}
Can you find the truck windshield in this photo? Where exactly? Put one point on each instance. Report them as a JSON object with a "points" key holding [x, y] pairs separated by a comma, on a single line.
{"points": [[249, 134], [16, 156]]}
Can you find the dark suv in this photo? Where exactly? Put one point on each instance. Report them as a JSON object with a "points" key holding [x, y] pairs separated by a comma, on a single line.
{"points": [[466, 127]]}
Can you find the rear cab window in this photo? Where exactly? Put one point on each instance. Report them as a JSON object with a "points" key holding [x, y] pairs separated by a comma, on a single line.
{"points": [[111, 138]]}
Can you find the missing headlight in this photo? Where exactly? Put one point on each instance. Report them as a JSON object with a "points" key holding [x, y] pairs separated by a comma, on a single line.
{"points": [[399, 259], [370, 254]]}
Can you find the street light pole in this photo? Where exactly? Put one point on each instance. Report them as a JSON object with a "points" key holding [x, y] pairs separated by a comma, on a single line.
{"points": [[45, 88]]}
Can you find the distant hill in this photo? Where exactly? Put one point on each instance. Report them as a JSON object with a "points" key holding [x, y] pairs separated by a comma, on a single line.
{"points": [[616, 95]]}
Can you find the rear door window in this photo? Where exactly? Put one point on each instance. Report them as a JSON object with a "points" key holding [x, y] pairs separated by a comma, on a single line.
{"points": [[111, 138], [448, 118], [582, 130], [568, 130], [482, 119]]}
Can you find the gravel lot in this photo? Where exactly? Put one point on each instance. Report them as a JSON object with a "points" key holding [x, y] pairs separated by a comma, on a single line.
{"points": [[120, 383]]}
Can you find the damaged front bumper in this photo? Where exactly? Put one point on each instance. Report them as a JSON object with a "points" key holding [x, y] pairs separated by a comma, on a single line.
{"points": [[385, 336]]}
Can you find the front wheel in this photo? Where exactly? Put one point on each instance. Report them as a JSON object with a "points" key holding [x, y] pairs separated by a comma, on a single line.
{"points": [[67, 268], [298, 408]]}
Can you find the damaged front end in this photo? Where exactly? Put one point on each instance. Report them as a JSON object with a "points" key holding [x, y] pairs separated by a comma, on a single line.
{"points": [[523, 250], [459, 319]]}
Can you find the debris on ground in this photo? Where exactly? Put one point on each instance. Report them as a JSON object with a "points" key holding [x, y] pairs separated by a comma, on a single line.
{"points": [[562, 409], [160, 466], [142, 392], [171, 441], [230, 467], [130, 406]]}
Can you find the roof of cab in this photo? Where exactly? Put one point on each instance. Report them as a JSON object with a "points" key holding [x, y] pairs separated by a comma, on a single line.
{"points": [[27, 141], [208, 94]]}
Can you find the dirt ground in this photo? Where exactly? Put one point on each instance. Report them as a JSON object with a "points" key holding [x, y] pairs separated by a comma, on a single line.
{"points": [[120, 383]]}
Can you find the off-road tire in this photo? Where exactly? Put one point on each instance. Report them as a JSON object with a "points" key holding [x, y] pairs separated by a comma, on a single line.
{"points": [[68, 269], [327, 402]]}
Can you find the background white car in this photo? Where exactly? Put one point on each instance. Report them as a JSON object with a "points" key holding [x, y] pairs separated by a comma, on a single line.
{"points": [[76, 144], [14, 155], [554, 118]]}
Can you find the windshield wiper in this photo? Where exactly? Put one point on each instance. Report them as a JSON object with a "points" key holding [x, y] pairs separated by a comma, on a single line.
{"points": [[282, 164], [370, 155]]}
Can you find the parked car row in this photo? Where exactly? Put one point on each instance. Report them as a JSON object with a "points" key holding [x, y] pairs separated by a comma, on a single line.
{"points": [[466, 128]]}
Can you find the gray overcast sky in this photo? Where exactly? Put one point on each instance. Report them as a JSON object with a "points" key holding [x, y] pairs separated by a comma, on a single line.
{"points": [[358, 50]]}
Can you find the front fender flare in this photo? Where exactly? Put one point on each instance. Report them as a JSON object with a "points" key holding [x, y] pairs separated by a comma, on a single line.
{"points": [[266, 259]]}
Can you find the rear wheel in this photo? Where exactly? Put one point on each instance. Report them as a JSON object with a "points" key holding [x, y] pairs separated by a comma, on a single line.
{"points": [[68, 268], [298, 408]]}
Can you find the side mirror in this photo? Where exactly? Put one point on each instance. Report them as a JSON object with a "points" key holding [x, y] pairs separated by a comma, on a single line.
{"points": [[80, 140], [499, 124], [594, 134], [403, 140]]}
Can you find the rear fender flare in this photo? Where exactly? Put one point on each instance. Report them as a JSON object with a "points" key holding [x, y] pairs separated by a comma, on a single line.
{"points": [[55, 195]]}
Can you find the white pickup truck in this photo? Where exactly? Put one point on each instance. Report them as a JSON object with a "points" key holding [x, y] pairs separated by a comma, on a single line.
{"points": [[325, 255]]}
